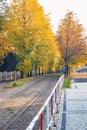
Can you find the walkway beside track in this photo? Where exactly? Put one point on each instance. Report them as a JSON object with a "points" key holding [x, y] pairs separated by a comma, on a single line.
{"points": [[73, 108]]}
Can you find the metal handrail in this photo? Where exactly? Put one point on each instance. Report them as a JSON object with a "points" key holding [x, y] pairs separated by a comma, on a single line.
{"points": [[50, 110]]}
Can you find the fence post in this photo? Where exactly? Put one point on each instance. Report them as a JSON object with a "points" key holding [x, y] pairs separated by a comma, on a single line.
{"points": [[47, 116], [55, 95], [10, 75], [18, 74], [52, 107], [5, 75], [53, 103], [14, 75], [57, 92], [41, 121], [0, 76]]}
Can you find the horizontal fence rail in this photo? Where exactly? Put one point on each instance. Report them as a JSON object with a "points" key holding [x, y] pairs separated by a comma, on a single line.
{"points": [[10, 75], [45, 116]]}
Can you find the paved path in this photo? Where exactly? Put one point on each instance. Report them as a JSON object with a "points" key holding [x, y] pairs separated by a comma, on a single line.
{"points": [[74, 110]]}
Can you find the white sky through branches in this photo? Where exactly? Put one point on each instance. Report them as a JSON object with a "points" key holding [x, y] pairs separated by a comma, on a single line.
{"points": [[59, 8]]}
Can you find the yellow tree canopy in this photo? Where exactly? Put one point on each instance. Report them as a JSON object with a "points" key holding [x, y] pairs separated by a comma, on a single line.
{"points": [[29, 31], [4, 45]]}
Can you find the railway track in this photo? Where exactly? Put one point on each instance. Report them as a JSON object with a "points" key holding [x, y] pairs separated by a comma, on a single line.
{"points": [[23, 118]]}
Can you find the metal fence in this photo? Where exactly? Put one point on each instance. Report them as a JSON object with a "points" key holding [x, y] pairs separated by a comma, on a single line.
{"points": [[19, 74], [46, 114], [10, 75]]}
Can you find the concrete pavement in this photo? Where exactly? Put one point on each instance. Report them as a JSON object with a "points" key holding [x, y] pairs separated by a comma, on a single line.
{"points": [[73, 107]]}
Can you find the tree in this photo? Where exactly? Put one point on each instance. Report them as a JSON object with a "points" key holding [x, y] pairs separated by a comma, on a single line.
{"points": [[29, 31], [3, 6], [9, 62], [4, 45], [71, 41]]}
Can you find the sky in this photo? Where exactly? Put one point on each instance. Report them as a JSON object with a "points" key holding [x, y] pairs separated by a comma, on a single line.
{"points": [[59, 8]]}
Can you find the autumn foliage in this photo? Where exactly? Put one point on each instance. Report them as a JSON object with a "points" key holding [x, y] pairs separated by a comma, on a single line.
{"points": [[26, 33], [72, 41], [27, 29]]}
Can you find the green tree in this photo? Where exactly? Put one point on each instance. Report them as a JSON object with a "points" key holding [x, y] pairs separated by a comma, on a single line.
{"points": [[9, 62]]}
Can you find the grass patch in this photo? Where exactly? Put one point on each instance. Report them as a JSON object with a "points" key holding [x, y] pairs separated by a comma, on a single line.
{"points": [[16, 83], [19, 82], [67, 82]]}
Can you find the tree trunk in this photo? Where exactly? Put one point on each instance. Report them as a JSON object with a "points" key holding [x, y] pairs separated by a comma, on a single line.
{"points": [[66, 69]]}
